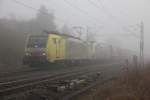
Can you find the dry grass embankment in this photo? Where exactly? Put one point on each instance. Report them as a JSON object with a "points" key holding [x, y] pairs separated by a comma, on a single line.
{"points": [[132, 86]]}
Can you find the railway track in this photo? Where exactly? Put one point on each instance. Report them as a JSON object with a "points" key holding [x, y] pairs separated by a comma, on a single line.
{"points": [[9, 89], [22, 74], [10, 76], [16, 86]]}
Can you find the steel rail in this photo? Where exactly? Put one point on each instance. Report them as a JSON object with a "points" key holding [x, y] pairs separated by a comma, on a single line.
{"points": [[14, 86]]}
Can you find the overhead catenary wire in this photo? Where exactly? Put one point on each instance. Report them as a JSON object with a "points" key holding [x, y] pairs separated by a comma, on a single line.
{"points": [[106, 12], [99, 8], [34, 9], [115, 19], [81, 11], [102, 8]]}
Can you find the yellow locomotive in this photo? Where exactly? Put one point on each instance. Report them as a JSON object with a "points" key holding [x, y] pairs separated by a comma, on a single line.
{"points": [[54, 47], [60, 48]]}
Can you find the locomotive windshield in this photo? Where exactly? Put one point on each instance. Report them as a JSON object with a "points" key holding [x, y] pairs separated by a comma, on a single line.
{"points": [[37, 42]]}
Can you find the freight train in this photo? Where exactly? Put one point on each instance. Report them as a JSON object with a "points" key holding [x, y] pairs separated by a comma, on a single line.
{"points": [[60, 48]]}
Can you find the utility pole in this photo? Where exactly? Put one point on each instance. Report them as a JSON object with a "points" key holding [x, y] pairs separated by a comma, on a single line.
{"points": [[87, 34], [90, 41], [87, 41], [111, 52], [78, 28], [142, 45]]}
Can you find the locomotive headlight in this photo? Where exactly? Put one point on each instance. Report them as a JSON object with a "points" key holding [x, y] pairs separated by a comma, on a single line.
{"points": [[27, 54], [43, 54]]}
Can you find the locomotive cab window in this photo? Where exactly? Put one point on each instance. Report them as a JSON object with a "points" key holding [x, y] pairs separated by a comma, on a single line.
{"points": [[54, 41], [37, 42], [59, 41]]}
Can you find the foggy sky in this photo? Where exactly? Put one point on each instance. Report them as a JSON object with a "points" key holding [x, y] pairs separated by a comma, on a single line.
{"points": [[109, 18]]}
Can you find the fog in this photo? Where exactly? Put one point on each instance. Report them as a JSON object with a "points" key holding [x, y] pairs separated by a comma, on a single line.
{"points": [[114, 22]]}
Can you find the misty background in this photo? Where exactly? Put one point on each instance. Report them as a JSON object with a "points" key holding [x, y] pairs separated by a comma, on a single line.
{"points": [[116, 22]]}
